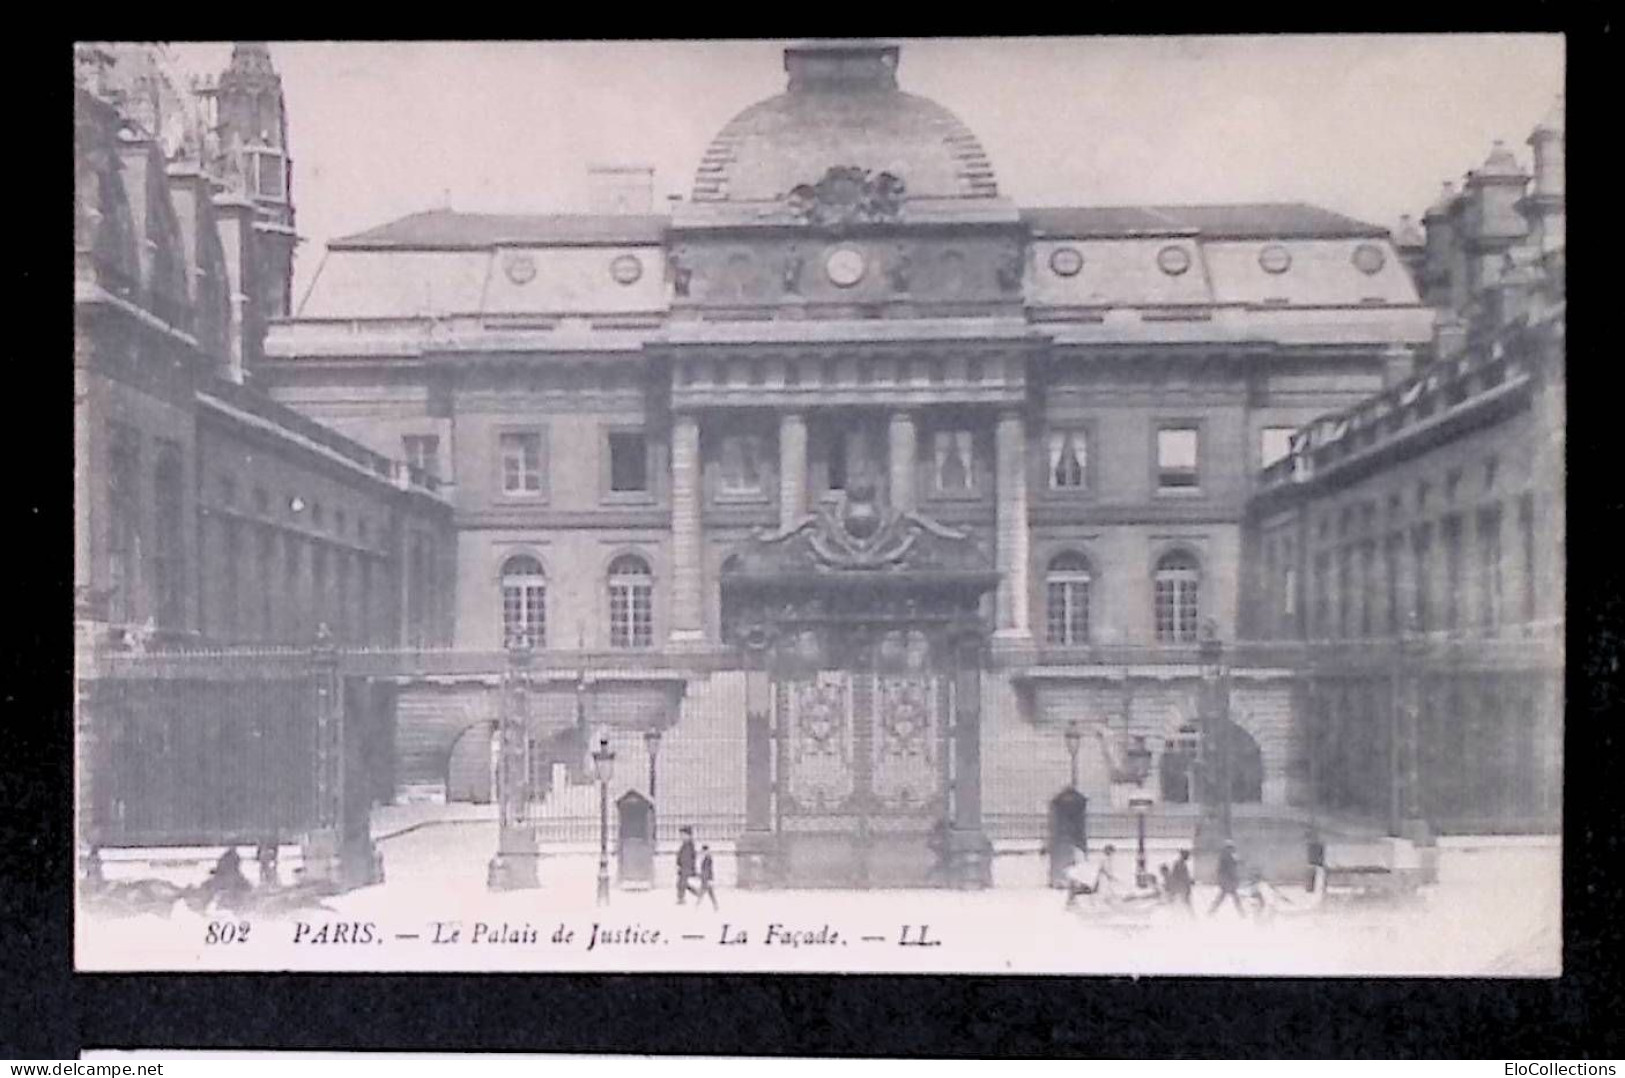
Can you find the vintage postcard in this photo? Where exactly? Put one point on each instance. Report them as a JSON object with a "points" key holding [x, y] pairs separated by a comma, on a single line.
{"points": [[1063, 506]]}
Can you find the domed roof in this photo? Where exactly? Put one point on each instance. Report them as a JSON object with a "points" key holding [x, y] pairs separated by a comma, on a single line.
{"points": [[843, 108]]}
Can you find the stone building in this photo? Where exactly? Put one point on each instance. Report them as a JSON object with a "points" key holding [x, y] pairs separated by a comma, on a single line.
{"points": [[1416, 540], [845, 357], [206, 512]]}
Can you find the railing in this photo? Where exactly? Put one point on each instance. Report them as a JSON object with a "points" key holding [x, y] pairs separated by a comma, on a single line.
{"points": [[1445, 384]]}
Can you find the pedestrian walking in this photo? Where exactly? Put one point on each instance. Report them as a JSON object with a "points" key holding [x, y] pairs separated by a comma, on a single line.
{"points": [[1317, 857], [708, 876], [1229, 879], [685, 866], [1179, 883]]}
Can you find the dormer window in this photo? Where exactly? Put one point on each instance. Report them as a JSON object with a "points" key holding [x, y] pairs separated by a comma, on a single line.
{"points": [[265, 172]]}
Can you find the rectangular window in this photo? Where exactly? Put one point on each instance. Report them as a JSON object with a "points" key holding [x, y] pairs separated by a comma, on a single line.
{"points": [[1392, 552], [318, 577], [294, 630], [1451, 530], [1345, 591], [1068, 460], [521, 462], [230, 583], [270, 175], [954, 457], [423, 453], [1177, 460], [1526, 524], [1422, 556], [341, 627], [1323, 594], [1489, 587], [169, 570], [1368, 585], [628, 462], [124, 521], [743, 464], [1274, 443], [263, 558]]}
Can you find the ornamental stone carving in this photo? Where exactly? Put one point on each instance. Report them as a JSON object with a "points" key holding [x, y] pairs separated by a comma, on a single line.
{"points": [[847, 195]]}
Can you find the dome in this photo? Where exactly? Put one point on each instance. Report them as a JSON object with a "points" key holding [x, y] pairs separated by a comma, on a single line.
{"points": [[843, 108]]}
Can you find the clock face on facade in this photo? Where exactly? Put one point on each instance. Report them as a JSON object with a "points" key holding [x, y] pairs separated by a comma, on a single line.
{"points": [[626, 269], [845, 266]]}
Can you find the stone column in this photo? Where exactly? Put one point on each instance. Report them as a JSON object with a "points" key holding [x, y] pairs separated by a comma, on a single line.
{"points": [[686, 608], [792, 468], [903, 453], [1011, 527]]}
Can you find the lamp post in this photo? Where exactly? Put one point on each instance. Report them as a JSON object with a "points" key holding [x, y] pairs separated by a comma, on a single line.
{"points": [[514, 865], [1138, 758], [1073, 738], [603, 765], [1215, 738]]}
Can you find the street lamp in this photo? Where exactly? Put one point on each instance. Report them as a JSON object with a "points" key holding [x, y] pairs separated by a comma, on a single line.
{"points": [[603, 765], [1215, 738], [1073, 738], [1137, 768]]}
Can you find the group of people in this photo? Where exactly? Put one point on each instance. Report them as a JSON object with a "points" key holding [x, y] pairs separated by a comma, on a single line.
{"points": [[1174, 885], [692, 865]]}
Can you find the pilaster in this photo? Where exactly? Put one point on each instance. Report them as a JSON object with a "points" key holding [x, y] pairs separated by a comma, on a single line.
{"points": [[687, 625], [902, 455], [1011, 535], [792, 468]]}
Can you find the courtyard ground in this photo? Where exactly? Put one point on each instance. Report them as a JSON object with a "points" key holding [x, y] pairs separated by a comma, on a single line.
{"points": [[1496, 910]]}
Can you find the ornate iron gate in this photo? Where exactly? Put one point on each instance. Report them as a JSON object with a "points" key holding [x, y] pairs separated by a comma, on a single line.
{"points": [[863, 634]]}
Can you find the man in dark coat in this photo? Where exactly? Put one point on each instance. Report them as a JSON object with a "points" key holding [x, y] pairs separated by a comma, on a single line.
{"points": [[685, 866], [1229, 879], [1179, 882], [1317, 857], [708, 875]]}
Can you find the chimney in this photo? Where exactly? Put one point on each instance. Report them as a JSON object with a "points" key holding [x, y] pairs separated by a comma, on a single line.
{"points": [[1547, 140], [618, 189]]}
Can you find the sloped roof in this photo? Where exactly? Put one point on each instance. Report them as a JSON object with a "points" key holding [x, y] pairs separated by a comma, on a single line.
{"points": [[450, 230], [1247, 220]]}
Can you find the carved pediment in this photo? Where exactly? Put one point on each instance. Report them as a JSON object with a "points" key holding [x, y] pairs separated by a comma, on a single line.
{"points": [[857, 533]]}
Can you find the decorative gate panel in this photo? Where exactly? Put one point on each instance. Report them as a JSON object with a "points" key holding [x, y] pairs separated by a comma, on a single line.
{"points": [[909, 714], [819, 730]]}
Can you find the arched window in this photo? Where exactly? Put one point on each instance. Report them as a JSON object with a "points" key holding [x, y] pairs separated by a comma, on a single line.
{"points": [[524, 603], [631, 603], [1178, 581], [1066, 602]]}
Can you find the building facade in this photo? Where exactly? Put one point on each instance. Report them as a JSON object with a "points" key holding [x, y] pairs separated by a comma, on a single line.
{"points": [[1415, 541], [846, 325], [206, 512], [849, 497]]}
